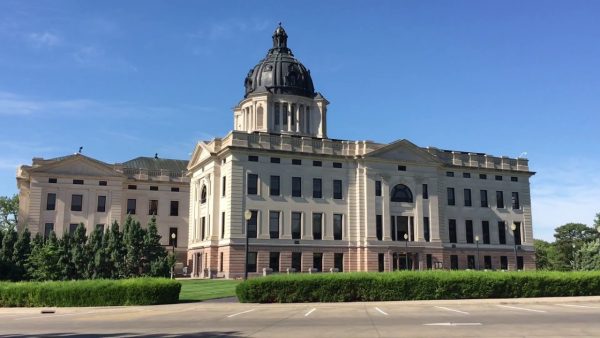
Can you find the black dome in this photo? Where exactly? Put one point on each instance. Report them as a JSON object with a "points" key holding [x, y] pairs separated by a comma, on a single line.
{"points": [[279, 72]]}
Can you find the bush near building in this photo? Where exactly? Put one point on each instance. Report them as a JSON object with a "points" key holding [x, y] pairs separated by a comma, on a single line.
{"points": [[137, 291], [416, 285]]}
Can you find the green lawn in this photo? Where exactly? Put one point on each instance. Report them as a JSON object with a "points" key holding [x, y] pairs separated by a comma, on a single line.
{"points": [[197, 290]]}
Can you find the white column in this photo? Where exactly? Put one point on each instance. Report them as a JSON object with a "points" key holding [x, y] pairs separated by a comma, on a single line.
{"points": [[289, 116], [385, 210], [297, 112]]}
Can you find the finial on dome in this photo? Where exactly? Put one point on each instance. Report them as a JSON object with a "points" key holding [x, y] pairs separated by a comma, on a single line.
{"points": [[280, 38]]}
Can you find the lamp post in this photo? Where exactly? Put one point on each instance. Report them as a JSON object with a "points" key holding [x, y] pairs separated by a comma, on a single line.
{"points": [[477, 243], [406, 250], [173, 236], [513, 227], [247, 217]]}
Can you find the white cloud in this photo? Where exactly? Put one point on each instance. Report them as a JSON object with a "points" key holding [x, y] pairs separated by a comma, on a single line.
{"points": [[13, 104], [44, 40], [567, 192]]}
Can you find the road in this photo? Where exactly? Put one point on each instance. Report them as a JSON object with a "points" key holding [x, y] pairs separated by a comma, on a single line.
{"points": [[540, 317]]}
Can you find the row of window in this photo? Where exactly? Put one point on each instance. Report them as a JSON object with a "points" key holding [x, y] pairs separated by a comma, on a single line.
{"points": [[49, 227], [296, 161], [483, 176], [296, 186], [485, 230], [487, 262], [483, 196], [77, 204], [104, 183], [295, 261]]}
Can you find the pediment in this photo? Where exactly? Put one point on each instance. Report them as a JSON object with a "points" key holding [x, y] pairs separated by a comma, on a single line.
{"points": [[201, 153], [402, 150], [77, 165]]}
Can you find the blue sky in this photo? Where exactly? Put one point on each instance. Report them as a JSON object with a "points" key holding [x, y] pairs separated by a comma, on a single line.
{"points": [[131, 78]]}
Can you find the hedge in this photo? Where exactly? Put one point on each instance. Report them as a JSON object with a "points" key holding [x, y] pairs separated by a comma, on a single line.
{"points": [[416, 285], [102, 292]]}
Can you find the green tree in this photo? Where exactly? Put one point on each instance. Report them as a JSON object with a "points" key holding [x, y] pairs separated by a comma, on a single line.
{"points": [[21, 253], [152, 250], [6, 253], [9, 211], [79, 254], [569, 239], [65, 261], [43, 260], [545, 255], [98, 266], [588, 256], [115, 251], [133, 238]]}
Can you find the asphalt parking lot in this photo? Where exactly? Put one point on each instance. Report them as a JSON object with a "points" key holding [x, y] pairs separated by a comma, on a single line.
{"points": [[541, 317]]}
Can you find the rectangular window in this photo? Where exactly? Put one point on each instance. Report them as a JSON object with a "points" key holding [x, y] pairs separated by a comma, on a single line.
{"points": [[337, 189], [500, 199], [318, 261], [393, 227], [484, 198], [338, 261], [501, 232], [485, 229], [296, 225], [153, 188], [224, 186], [252, 224], [450, 173], [466, 175], [296, 161], [274, 224], [381, 262], [514, 179], [337, 226], [51, 201], [517, 233], [275, 160], [377, 188], [425, 192], [251, 262], [132, 187], [131, 206], [77, 181], [498, 178], [252, 184], [252, 158], [487, 262], [102, 183], [454, 262], [203, 228], [223, 224], [469, 231], [471, 262], [274, 261], [277, 113], [274, 186], [297, 261], [401, 168], [296, 187], [317, 225], [101, 204], [519, 262], [337, 165], [515, 200], [482, 176], [426, 229], [452, 230], [468, 202], [73, 227], [503, 262], [451, 200], [221, 261], [100, 227], [317, 164], [76, 202], [379, 227], [173, 236], [48, 228], [174, 189], [429, 259], [153, 207], [174, 208], [52, 180], [317, 188]]}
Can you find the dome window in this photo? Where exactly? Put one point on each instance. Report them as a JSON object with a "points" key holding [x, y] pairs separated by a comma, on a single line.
{"points": [[401, 193]]}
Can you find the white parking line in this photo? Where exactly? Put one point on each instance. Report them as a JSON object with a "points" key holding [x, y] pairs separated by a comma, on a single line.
{"points": [[581, 306], [453, 310], [239, 313], [309, 312], [520, 308], [381, 311], [453, 324]]}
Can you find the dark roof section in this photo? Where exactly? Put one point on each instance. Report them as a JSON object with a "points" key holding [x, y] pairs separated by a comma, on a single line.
{"points": [[151, 163]]}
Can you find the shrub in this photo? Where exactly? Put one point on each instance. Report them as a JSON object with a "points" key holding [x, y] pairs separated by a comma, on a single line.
{"points": [[100, 292], [416, 285]]}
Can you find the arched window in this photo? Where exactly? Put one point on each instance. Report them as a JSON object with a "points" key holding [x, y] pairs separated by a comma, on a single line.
{"points": [[203, 195], [259, 117], [401, 193]]}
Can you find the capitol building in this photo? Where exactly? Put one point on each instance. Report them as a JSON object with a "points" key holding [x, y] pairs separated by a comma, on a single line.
{"points": [[277, 193]]}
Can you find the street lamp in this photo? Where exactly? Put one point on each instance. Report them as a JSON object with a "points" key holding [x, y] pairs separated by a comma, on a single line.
{"points": [[406, 250], [247, 217], [477, 242], [513, 227], [173, 236]]}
